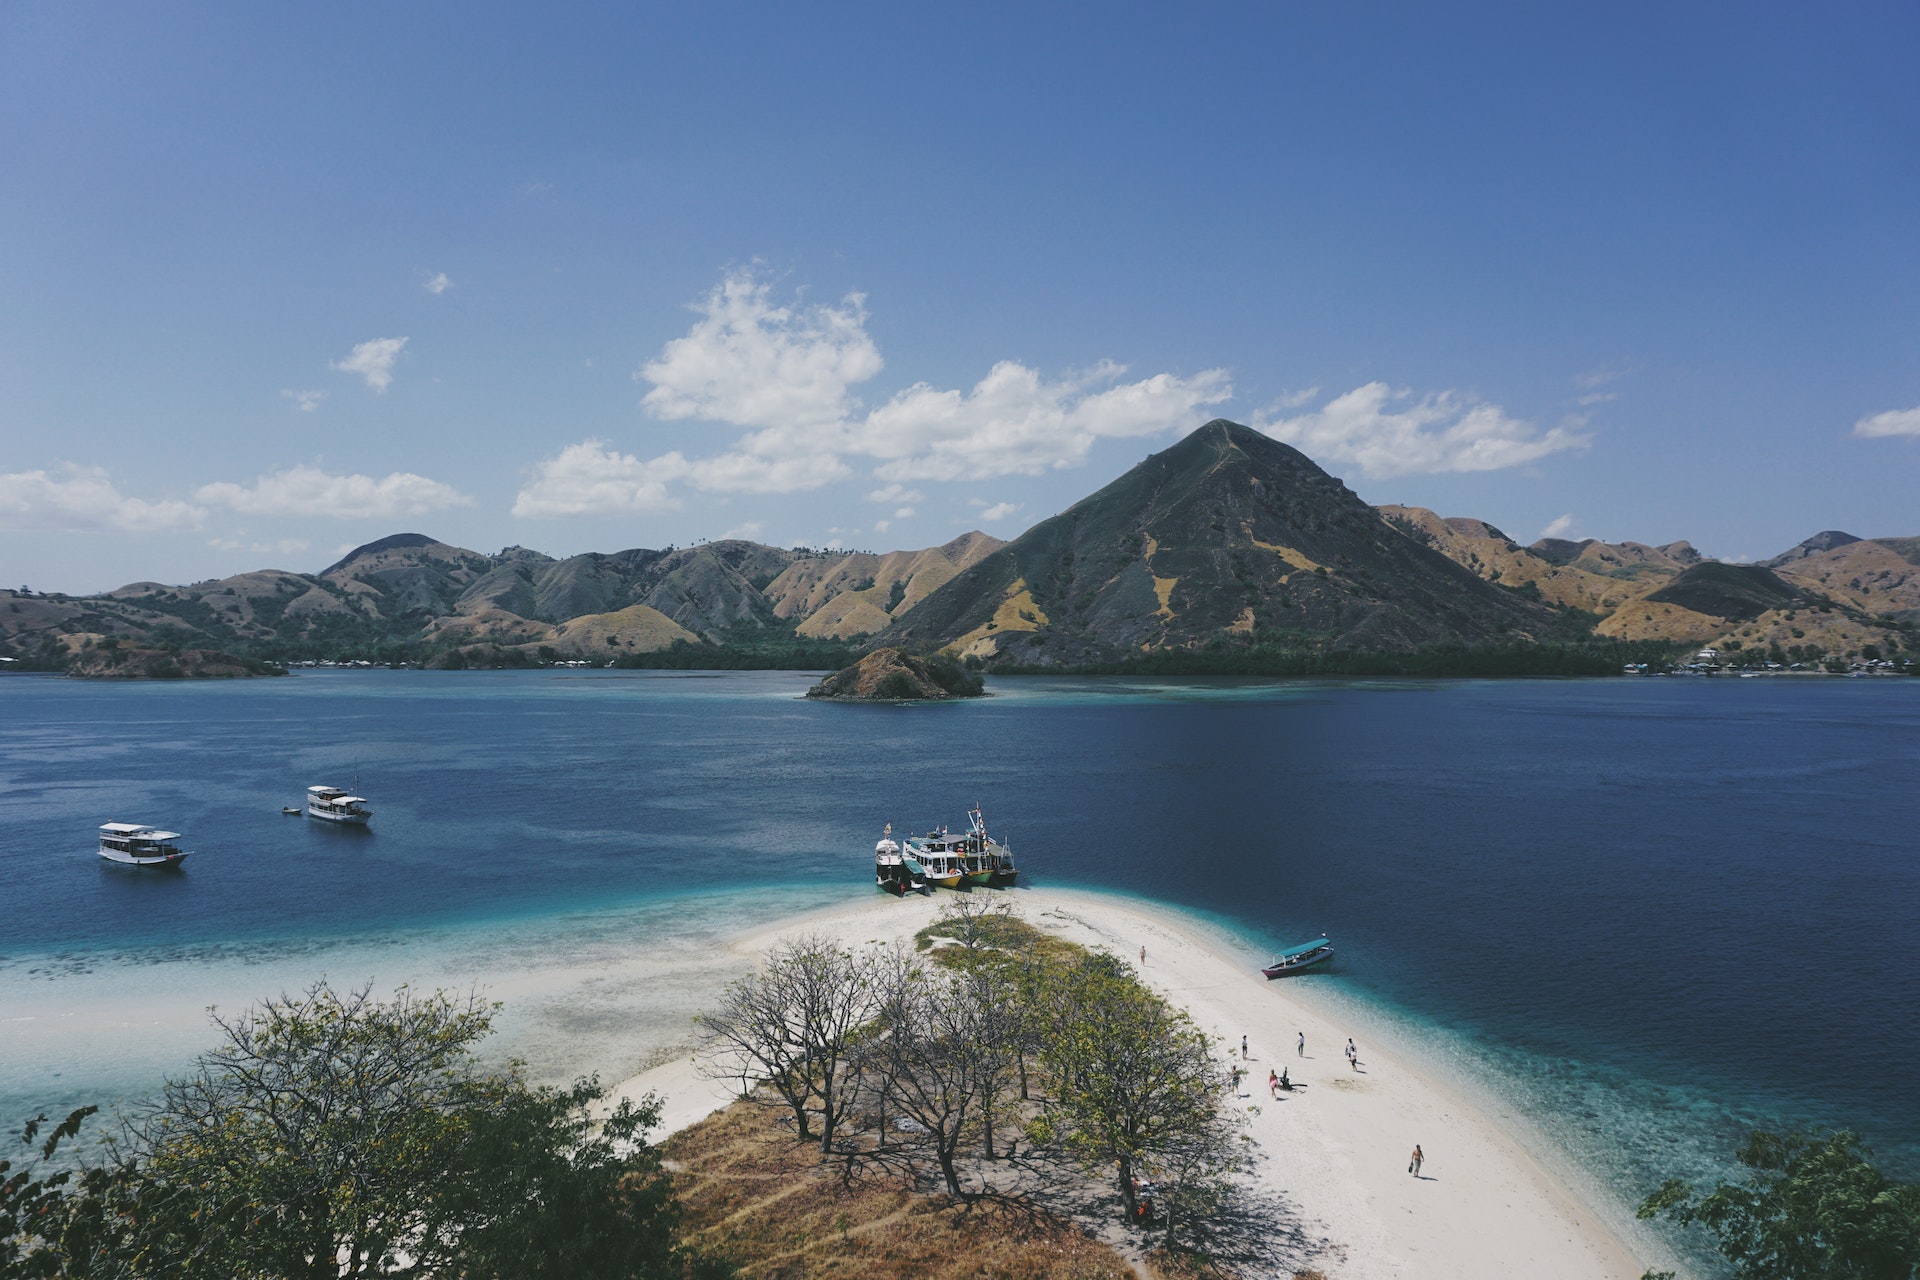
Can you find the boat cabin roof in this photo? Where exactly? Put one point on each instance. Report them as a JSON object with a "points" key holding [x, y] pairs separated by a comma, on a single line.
{"points": [[326, 791], [345, 799], [1302, 949], [135, 829]]}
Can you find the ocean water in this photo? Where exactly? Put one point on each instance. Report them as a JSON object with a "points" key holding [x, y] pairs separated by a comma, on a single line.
{"points": [[1636, 916]]}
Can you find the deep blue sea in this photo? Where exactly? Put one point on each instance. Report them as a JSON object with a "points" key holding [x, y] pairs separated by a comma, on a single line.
{"points": [[1644, 914]]}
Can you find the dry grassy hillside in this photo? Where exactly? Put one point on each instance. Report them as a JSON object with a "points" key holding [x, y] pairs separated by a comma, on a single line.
{"points": [[1837, 599], [1877, 576], [840, 597], [774, 1209]]}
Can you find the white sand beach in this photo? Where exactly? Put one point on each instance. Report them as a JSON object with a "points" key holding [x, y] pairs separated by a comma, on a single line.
{"points": [[1335, 1150]]}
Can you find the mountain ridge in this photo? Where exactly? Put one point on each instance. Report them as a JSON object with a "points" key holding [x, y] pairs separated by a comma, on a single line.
{"points": [[1226, 541]]}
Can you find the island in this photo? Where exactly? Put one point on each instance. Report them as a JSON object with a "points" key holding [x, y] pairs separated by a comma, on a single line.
{"points": [[892, 675]]}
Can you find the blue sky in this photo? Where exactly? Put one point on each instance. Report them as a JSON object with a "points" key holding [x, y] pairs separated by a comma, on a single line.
{"points": [[276, 280]]}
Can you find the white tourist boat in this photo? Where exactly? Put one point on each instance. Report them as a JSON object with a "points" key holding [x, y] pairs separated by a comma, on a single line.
{"points": [[134, 845], [335, 805], [948, 858]]}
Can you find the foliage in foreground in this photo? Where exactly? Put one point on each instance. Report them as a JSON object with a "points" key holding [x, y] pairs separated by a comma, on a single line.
{"points": [[332, 1134], [1814, 1208]]}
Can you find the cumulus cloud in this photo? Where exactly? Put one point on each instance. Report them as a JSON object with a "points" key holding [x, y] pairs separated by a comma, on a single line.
{"points": [[751, 363], [750, 531], [373, 361], [1894, 422], [1562, 527], [309, 491], [438, 284], [1387, 432], [590, 479], [77, 499], [999, 511], [785, 377], [1014, 421], [285, 546], [304, 401]]}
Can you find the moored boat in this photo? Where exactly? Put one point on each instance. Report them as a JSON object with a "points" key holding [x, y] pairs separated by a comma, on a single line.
{"points": [[1308, 955], [971, 856], [335, 805], [894, 870], [134, 845]]}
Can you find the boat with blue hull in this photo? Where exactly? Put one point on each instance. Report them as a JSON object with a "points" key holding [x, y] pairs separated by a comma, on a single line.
{"points": [[1308, 955]]}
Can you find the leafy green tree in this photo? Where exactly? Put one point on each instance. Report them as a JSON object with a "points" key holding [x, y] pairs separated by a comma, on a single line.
{"points": [[33, 1201], [338, 1135], [1814, 1208], [1132, 1079]]}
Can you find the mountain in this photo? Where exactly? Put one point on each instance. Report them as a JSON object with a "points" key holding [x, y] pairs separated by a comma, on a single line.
{"points": [[1878, 576], [409, 591], [1825, 540], [1830, 595], [1227, 537], [852, 595]]}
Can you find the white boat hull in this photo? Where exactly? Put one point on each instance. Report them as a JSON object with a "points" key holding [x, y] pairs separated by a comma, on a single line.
{"points": [[130, 860], [328, 815]]}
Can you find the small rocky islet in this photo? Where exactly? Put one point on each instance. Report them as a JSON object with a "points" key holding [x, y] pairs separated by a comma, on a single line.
{"points": [[891, 675]]}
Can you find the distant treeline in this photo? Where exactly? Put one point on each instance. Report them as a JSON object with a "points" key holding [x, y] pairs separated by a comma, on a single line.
{"points": [[1580, 659], [776, 655]]}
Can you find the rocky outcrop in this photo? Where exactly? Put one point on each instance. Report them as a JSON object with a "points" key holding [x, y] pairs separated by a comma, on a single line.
{"points": [[888, 675]]}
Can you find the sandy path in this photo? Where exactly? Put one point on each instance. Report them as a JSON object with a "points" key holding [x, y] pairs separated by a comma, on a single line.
{"points": [[1336, 1150]]}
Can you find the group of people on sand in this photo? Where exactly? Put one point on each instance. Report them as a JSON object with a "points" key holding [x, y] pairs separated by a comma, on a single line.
{"points": [[1279, 1082]]}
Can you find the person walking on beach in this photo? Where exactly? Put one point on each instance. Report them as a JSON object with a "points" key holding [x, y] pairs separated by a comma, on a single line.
{"points": [[1273, 1083], [1243, 1048], [1302, 1047], [1353, 1055], [1143, 955], [1419, 1158]]}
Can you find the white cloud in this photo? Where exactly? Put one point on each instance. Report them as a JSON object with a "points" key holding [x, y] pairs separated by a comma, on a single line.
{"points": [[1391, 433], [881, 526], [905, 513], [590, 479], [786, 377], [750, 531], [83, 499], [1016, 422], [309, 491], [373, 361], [438, 285], [305, 401], [285, 546], [753, 364], [1894, 422], [1562, 527], [999, 511]]}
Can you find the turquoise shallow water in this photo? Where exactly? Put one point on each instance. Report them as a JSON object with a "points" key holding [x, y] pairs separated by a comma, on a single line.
{"points": [[1645, 913]]}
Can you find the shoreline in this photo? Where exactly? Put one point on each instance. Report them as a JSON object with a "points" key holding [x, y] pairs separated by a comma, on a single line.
{"points": [[1335, 1149]]}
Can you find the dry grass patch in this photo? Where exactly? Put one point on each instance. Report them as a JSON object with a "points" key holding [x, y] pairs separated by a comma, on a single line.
{"points": [[774, 1209]]}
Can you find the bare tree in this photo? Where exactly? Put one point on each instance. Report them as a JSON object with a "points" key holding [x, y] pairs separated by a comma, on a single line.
{"points": [[932, 1060], [792, 1027]]}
